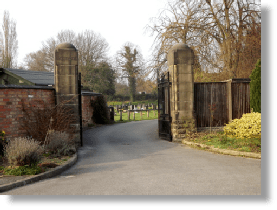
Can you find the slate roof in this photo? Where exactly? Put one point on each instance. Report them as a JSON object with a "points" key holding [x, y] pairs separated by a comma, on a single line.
{"points": [[39, 78], [36, 77]]}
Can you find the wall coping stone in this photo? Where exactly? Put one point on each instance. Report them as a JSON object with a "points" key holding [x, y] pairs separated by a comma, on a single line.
{"points": [[26, 87]]}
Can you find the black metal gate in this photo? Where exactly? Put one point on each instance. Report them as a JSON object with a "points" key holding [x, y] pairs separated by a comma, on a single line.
{"points": [[164, 108], [80, 107]]}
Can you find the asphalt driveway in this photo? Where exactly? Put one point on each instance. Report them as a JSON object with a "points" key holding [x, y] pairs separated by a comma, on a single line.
{"points": [[130, 159]]}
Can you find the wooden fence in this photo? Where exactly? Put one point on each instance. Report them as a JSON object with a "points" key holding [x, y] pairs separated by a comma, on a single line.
{"points": [[216, 103]]}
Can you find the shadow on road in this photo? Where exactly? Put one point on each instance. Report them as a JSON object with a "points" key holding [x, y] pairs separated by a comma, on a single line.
{"points": [[105, 145]]}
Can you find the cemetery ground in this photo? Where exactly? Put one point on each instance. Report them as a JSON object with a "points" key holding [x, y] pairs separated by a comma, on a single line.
{"points": [[141, 115]]}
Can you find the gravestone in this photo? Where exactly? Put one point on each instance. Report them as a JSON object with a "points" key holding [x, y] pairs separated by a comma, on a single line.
{"points": [[180, 60], [66, 80]]}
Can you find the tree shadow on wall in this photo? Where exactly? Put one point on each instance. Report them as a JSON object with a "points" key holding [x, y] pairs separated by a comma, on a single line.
{"points": [[100, 111]]}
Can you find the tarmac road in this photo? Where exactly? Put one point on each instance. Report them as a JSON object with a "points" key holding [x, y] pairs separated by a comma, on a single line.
{"points": [[130, 159]]}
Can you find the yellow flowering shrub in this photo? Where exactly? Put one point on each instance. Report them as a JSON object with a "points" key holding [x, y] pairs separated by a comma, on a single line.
{"points": [[248, 126]]}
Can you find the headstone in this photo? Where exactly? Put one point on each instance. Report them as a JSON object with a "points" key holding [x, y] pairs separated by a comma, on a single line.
{"points": [[143, 106]]}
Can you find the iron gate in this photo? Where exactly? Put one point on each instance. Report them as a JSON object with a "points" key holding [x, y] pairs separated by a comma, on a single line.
{"points": [[164, 108], [80, 107]]}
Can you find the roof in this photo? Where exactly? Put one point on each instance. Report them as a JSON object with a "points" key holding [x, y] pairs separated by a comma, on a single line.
{"points": [[39, 78], [36, 77]]}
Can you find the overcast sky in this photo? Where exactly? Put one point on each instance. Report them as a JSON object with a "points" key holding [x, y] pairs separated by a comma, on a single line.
{"points": [[118, 21]]}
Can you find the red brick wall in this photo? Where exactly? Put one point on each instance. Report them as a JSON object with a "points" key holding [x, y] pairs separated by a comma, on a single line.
{"points": [[11, 113], [87, 110]]}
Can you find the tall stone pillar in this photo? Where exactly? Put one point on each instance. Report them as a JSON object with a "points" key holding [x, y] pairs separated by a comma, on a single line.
{"points": [[180, 61], [66, 80]]}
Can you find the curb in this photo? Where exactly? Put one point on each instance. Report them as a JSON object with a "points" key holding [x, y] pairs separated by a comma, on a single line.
{"points": [[45, 175], [223, 151]]}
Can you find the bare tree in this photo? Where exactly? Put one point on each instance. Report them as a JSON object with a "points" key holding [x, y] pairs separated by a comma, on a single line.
{"points": [[36, 61], [92, 58], [8, 42], [230, 20], [177, 23], [92, 49], [215, 30]]}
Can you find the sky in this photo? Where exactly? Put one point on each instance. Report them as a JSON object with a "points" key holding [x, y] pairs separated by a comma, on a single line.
{"points": [[118, 21]]}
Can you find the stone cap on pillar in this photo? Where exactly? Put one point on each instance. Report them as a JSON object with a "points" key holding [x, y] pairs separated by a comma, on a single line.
{"points": [[66, 54], [185, 55], [180, 46], [66, 46]]}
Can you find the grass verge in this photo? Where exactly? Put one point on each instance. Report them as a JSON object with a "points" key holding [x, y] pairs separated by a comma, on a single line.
{"points": [[221, 141]]}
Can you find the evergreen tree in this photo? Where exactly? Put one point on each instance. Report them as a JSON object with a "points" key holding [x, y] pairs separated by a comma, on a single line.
{"points": [[255, 88], [130, 63]]}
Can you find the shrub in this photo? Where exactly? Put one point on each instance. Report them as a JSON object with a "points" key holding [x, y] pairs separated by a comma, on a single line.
{"points": [[255, 88], [59, 143], [249, 126], [23, 151]]}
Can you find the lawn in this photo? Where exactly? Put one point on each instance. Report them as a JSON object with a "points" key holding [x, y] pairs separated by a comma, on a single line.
{"points": [[137, 116]]}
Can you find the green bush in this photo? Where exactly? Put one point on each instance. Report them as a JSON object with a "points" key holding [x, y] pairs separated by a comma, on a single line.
{"points": [[249, 126], [255, 88], [23, 151]]}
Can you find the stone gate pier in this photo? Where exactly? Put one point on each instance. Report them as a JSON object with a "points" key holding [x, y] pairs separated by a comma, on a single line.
{"points": [[66, 81], [180, 61]]}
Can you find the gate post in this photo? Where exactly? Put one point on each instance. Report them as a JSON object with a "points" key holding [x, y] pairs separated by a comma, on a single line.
{"points": [[180, 61], [66, 82]]}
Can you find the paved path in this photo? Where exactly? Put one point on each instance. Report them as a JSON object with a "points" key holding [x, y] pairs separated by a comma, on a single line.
{"points": [[130, 159]]}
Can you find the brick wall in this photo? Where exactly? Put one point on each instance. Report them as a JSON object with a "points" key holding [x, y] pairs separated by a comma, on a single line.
{"points": [[11, 113]]}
